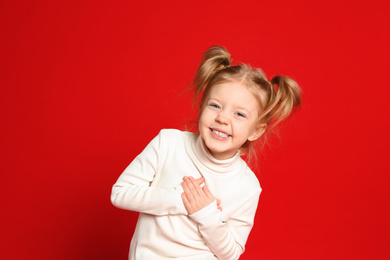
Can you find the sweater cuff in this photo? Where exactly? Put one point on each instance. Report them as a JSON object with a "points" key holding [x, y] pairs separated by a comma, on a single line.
{"points": [[209, 216]]}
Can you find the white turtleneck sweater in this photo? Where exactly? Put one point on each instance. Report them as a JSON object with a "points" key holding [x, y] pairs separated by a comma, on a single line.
{"points": [[151, 185]]}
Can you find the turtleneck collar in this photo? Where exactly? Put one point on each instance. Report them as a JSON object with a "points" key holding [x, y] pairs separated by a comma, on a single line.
{"points": [[201, 156]]}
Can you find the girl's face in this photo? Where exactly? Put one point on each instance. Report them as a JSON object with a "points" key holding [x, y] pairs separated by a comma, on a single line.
{"points": [[228, 119]]}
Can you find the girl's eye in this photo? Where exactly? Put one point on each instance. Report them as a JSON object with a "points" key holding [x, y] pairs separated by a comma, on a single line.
{"points": [[241, 115], [214, 105]]}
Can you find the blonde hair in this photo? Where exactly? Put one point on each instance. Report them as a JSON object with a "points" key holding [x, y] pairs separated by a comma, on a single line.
{"points": [[278, 98]]}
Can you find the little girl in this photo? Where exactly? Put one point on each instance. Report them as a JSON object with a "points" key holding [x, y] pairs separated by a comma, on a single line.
{"points": [[196, 196]]}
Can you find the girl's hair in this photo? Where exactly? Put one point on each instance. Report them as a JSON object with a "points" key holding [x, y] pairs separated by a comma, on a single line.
{"points": [[278, 98]]}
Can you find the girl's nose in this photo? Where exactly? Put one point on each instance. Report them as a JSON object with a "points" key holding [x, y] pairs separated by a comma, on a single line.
{"points": [[222, 118]]}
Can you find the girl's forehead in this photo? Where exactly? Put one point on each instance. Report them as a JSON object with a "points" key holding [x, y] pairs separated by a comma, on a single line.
{"points": [[235, 89]]}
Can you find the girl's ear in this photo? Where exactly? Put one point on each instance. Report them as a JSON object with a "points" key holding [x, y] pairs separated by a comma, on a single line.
{"points": [[259, 131]]}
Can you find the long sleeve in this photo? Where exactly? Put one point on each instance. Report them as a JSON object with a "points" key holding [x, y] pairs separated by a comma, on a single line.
{"points": [[134, 189], [227, 239], [151, 184]]}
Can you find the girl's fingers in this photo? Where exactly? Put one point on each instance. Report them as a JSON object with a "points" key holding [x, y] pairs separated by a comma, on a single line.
{"points": [[186, 202], [207, 192], [192, 185], [189, 185], [184, 198], [199, 181], [219, 205], [187, 192]]}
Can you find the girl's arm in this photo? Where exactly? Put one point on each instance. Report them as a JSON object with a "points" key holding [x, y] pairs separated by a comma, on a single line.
{"points": [[134, 190], [225, 239]]}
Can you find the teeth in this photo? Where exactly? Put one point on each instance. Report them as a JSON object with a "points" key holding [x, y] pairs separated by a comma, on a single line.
{"points": [[220, 134]]}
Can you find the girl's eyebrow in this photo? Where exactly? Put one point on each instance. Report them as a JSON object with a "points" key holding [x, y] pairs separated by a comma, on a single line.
{"points": [[212, 98]]}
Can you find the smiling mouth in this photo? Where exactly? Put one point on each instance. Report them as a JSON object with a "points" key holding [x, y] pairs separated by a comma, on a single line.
{"points": [[221, 134]]}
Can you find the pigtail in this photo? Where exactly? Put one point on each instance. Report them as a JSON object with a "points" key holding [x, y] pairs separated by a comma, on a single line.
{"points": [[284, 100], [213, 60]]}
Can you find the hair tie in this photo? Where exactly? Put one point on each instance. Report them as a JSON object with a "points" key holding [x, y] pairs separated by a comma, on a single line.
{"points": [[221, 67]]}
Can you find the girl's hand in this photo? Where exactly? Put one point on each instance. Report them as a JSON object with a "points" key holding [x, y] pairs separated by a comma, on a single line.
{"points": [[195, 197]]}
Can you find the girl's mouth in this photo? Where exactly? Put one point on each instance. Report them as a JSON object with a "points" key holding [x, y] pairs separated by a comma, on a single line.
{"points": [[221, 134]]}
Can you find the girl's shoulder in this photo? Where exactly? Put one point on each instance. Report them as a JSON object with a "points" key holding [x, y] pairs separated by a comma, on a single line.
{"points": [[175, 134], [175, 137], [174, 142]]}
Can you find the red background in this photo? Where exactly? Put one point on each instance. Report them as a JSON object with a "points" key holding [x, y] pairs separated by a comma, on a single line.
{"points": [[85, 85]]}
